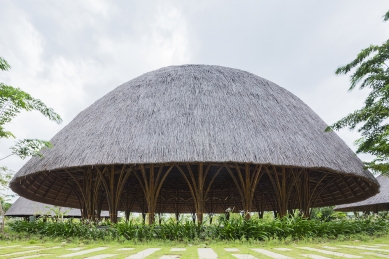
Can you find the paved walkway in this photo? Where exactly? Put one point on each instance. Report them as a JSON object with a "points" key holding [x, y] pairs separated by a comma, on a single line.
{"points": [[317, 252]]}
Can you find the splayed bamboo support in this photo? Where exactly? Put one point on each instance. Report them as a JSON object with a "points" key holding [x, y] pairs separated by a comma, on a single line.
{"points": [[214, 187], [142, 204], [302, 192], [128, 204], [151, 184], [113, 187], [283, 183], [317, 191], [305, 194], [161, 206], [260, 204], [99, 208], [246, 184], [197, 186], [87, 193]]}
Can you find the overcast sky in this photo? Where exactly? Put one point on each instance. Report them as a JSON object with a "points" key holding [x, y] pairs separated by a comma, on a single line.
{"points": [[70, 53]]}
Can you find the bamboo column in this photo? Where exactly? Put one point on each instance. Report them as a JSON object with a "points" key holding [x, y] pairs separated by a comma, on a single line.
{"points": [[305, 194], [318, 189], [246, 184], [283, 183], [92, 195], [99, 208], [128, 204], [87, 192], [151, 184], [162, 205], [260, 205], [113, 188], [141, 203], [197, 186], [177, 207], [200, 195], [80, 198]]}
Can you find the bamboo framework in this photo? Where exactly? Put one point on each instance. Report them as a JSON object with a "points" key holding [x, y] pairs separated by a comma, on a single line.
{"points": [[196, 188], [376, 203]]}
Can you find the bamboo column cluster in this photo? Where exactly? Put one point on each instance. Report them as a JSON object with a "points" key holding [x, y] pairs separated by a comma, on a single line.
{"points": [[113, 189], [198, 187], [246, 184], [151, 183], [263, 186]]}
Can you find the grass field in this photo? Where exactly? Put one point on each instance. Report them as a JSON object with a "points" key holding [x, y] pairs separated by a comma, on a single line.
{"points": [[377, 247]]}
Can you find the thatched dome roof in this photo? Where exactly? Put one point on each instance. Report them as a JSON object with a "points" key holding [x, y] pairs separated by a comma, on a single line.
{"points": [[378, 202], [23, 207], [197, 113]]}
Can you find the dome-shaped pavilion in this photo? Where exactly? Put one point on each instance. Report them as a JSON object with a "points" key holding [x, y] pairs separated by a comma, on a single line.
{"points": [[379, 202], [23, 207], [196, 138]]}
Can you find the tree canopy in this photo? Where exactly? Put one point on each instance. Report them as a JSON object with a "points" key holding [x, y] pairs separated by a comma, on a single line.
{"points": [[12, 102], [370, 70]]}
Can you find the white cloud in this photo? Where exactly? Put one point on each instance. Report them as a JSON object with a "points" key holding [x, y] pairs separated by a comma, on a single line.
{"points": [[70, 53], [169, 36], [93, 66]]}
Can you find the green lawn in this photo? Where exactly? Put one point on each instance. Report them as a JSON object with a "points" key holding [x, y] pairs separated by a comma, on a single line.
{"points": [[54, 249]]}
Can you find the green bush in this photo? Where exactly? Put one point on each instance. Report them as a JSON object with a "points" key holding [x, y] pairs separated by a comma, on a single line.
{"points": [[234, 229], [62, 229]]}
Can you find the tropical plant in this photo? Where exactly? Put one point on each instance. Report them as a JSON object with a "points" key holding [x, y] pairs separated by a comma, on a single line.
{"points": [[12, 102], [58, 212], [326, 214], [370, 70], [237, 228]]}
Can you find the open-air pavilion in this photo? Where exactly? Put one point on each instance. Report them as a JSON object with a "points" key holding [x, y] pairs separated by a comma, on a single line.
{"points": [[23, 207], [196, 139], [379, 202]]}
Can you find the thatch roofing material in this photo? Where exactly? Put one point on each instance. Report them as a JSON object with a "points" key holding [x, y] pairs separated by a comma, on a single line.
{"points": [[193, 113], [23, 207], [197, 113], [378, 202]]}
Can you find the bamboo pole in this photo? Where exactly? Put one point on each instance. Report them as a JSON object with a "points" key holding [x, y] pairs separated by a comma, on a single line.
{"points": [[246, 184], [282, 186], [200, 193], [151, 184], [197, 186], [113, 188]]}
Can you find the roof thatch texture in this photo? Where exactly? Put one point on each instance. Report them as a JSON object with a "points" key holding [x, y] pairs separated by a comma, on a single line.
{"points": [[194, 113], [378, 202], [197, 113], [23, 207]]}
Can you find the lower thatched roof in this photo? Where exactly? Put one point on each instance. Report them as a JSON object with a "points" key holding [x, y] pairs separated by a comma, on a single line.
{"points": [[24, 207], [378, 202]]}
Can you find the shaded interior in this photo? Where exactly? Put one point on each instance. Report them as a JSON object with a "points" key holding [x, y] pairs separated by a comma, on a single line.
{"points": [[302, 187]]}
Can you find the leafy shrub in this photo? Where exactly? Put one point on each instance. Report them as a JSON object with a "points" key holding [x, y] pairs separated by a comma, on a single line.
{"points": [[236, 228]]}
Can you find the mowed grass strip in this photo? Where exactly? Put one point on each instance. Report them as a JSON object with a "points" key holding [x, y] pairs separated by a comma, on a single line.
{"points": [[192, 249]]}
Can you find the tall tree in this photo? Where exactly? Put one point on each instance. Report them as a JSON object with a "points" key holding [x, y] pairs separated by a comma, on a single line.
{"points": [[12, 102], [370, 70]]}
